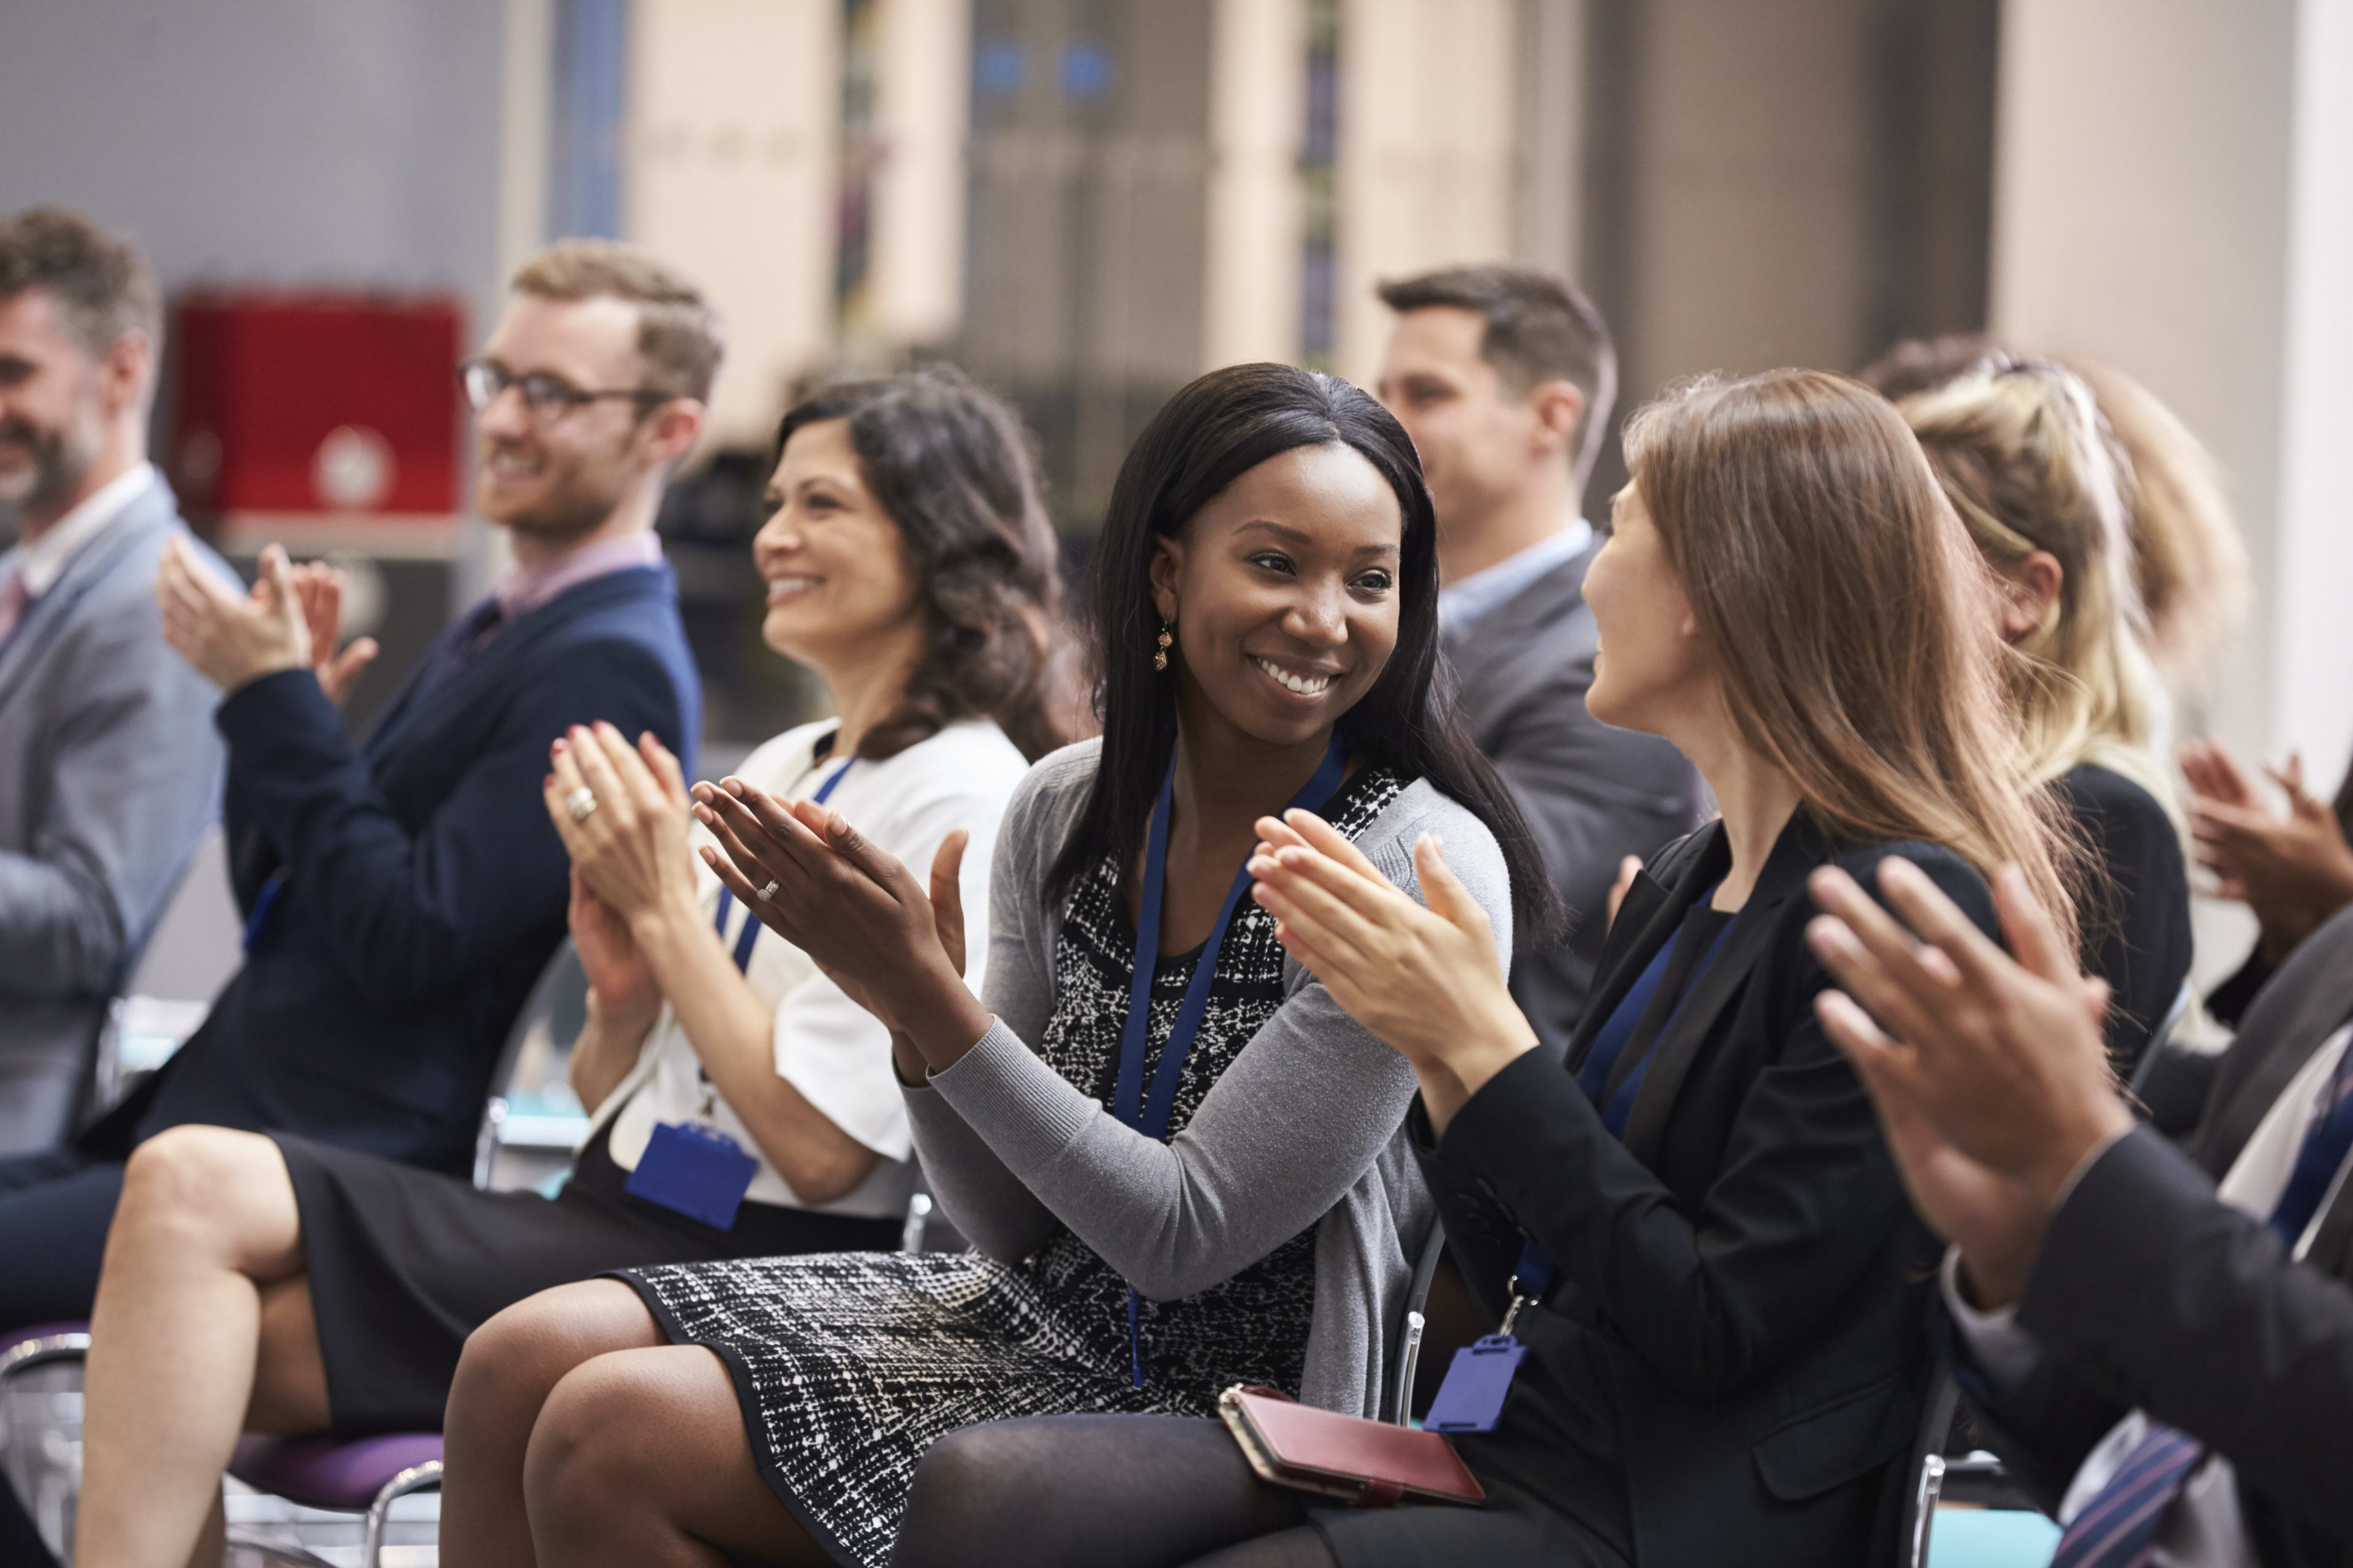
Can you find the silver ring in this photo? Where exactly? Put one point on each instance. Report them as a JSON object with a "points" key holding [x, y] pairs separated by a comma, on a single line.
{"points": [[765, 894], [580, 802]]}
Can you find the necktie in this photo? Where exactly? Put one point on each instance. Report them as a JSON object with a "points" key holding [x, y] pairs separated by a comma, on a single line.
{"points": [[459, 644], [2118, 1529]]}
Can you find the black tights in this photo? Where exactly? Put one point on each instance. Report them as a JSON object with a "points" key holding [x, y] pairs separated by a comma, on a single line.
{"points": [[1141, 1491]]}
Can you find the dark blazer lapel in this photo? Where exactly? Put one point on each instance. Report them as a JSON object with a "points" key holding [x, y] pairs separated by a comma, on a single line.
{"points": [[2332, 1245], [1802, 847], [1647, 920], [2308, 1000], [1506, 633], [53, 612]]}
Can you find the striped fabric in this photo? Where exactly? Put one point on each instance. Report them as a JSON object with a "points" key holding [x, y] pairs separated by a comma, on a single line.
{"points": [[2118, 1529]]}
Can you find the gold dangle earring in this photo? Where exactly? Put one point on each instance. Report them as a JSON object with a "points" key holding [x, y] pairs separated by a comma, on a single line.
{"points": [[1160, 656]]}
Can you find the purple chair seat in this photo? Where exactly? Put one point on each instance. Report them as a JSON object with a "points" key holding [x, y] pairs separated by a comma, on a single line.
{"points": [[10, 1339], [322, 1472]]}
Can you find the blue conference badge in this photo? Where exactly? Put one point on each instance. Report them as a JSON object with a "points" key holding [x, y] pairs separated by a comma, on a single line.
{"points": [[1471, 1397], [696, 1170]]}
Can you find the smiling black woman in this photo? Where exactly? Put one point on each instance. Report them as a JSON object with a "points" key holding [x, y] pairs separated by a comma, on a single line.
{"points": [[1180, 1167]]}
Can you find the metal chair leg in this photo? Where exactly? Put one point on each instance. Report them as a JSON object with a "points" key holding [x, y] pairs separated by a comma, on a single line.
{"points": [[426, 1476]]}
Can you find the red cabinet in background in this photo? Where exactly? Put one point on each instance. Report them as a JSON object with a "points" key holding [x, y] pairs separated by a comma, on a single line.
{"points": [[325, 416]]}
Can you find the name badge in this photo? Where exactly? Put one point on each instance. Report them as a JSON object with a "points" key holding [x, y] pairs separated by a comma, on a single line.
{"points": [[1471, 1397], [696, 1170]]}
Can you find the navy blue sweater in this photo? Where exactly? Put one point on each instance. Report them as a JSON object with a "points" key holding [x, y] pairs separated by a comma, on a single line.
{"points": [[423, 887]]}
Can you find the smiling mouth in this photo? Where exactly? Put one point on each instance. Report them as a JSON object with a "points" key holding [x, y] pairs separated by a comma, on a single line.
{"points": [[1293, 682], [782, 588], [511, 466]]}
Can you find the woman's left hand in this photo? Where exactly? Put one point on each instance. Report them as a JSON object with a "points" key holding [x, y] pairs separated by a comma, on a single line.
{"points": [[1427, 981], [631, 849]]}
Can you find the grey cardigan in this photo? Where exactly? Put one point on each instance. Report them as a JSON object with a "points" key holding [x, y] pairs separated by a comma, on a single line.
{"points": [[1305, 1129]]}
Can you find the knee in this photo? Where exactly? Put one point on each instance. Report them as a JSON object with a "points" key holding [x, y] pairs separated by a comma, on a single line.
{"points": [[582, 1453], [185, 1179], [513, 1361], [974, 1484]]}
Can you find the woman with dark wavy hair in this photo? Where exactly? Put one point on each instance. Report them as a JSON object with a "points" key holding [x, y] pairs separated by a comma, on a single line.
{"points": [[293, 1286], [1180, 1161]]}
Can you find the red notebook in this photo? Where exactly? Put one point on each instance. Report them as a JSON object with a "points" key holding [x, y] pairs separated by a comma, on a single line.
{"points": [[1367, 1463]]}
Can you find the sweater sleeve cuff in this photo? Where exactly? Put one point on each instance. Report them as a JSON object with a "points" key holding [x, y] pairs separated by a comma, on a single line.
{"points": [[263, 708], [1025, 1110]]}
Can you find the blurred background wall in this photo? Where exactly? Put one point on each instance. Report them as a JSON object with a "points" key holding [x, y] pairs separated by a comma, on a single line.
{"points": [[1087, 202]]}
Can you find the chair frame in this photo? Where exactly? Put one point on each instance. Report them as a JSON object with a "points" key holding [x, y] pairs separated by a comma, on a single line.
{"points": [[1396, 1399]]}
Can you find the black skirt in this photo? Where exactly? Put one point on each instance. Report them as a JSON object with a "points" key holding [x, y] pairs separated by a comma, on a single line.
{"points": [[404, 1263]]}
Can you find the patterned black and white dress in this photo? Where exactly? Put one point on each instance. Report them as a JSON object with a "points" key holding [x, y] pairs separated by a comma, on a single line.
{"points": [[849, 1366]]}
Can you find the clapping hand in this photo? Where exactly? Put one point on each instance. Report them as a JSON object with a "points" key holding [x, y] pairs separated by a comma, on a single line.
{"points": [[628, 841], [2293, 870], [1425, 980], [858, 913], [1990, 1074], [232, 640], [318, 588]]}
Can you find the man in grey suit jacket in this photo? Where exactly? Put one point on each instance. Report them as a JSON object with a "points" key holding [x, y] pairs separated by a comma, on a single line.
{"points": [[1504, 376], [108, 766]]}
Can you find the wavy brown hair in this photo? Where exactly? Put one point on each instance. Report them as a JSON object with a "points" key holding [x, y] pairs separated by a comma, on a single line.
{"points": [[1850, 616], [953, 468]]}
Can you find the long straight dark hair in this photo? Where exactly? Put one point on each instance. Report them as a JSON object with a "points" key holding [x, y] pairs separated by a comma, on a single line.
{"points": [[1213, 431]]}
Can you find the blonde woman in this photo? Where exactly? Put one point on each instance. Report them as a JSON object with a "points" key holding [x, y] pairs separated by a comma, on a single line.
{"points": [[2024, 457]]}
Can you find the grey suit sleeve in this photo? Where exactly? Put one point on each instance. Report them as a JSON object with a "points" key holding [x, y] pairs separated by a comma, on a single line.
{"points": [[126, 775], [2186, 1307], [1311, 1102]]}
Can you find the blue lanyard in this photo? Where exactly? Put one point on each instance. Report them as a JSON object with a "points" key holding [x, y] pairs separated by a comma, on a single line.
{"points": [[750, 934], [263, 902], [1151, 1117]]}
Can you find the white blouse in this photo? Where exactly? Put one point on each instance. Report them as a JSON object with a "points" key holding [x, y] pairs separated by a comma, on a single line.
{"points": [[830, 1049]]}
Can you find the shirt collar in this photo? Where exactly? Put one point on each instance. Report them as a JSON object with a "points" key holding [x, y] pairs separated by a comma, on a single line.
{"points": [[520, 590], [45, 560], [1466, 603]]}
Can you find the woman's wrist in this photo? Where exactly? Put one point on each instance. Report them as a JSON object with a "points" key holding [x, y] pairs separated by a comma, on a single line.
{"points": [[672, 916], [942, 1018], [625, 1022]]}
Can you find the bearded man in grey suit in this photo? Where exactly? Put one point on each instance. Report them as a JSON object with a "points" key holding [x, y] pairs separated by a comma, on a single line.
{"points": [[1504, 376], [108, 766]]}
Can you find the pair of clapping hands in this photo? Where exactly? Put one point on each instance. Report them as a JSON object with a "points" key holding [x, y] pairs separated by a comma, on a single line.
{"points": [[894, 946], [1989, 1072], [290, 619], [2293, 870]]}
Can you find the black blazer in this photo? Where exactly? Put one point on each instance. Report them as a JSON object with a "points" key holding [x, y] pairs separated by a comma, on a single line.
{"points": [[1741, 1283], [2139, 923], [423, 887], [2150, 1294], [1592, 795]]}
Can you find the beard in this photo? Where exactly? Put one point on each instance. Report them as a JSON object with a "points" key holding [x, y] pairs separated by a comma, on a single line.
{"points": [[573, 496], [60, 457]]}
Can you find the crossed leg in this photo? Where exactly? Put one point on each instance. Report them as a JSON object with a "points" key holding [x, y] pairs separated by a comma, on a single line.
{"points": [[202, 1329], [577, 1434]]}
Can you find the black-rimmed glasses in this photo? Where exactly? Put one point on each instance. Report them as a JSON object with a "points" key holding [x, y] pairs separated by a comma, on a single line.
{"points": [[545, 395]]}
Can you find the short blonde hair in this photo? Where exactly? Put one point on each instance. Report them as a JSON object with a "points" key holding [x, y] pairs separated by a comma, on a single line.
{"points": [[678, 335]]}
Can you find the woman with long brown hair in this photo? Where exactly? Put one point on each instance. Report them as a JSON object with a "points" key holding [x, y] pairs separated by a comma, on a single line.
{"points": [[1694, 1227]]}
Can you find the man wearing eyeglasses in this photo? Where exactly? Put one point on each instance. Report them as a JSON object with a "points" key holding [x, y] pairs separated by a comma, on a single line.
{"points": [[402, 895]]}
